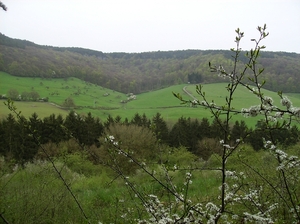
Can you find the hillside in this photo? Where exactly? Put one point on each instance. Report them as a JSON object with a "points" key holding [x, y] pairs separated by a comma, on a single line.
{"points": [[102, 102], [138, 72]]}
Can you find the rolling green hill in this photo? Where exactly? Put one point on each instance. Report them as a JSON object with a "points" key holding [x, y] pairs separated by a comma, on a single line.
{"points": [[102, 102], [140, 72]]}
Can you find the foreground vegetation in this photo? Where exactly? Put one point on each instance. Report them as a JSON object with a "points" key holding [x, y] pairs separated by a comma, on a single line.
{"points": [[35, 193], [127, 171]]}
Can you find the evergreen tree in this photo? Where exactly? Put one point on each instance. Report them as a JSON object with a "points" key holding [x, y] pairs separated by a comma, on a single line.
{"points": [[118, 119], [126, 121], [27, 145], [179, 134], [91, 130], [160, 129], [195, 135], [109, 121], [75, 125], [215, 129], [35, 125], [145, 122], [53, 130], [239, 130], [204, 128], [9, 136], [137, 120], [17, 142], [255, 137], [2, 138]]}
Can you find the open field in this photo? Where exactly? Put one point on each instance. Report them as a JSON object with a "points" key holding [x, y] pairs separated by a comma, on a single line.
{"points": [[28, 108], [242, 98], [102, 102]]}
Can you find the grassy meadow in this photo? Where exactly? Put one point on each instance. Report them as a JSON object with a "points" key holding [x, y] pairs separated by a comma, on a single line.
{"points": [[102, 102], [28, 108]]}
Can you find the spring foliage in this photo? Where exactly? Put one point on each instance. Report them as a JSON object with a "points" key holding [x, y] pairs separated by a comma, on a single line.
{"points": [[194, 172]]}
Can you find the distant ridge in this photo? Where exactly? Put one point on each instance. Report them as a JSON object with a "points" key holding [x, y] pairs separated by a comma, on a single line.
{"points": [[139, 72]]}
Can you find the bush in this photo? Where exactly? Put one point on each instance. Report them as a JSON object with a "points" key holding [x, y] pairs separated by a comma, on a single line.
{"points": [[136, 141]]}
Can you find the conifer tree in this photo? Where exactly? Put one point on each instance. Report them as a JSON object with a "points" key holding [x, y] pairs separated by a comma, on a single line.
{"points": [[26, 144], [179, 133], [160, 129], [238, 130], [8, 138], [91, 130], [53, 130], [137, 120], [204, 128]]}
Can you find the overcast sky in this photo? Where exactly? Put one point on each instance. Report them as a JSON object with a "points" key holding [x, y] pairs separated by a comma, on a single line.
{"points": [[152, 25]]}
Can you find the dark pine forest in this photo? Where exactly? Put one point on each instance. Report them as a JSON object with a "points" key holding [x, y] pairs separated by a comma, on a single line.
{"points": [[21, 138]]}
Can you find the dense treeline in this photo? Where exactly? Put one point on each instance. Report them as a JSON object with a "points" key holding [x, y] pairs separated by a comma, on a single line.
{"points": [[20, 138], [137, 72]]}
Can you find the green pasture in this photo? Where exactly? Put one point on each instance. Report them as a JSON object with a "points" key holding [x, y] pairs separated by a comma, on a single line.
{"points": [[84, 94], [242, 96], [102, 102], [28, 108]]}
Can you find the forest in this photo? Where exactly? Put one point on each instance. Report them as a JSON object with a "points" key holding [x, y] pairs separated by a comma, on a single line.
{"points": [[198, 137], [138, 72]]}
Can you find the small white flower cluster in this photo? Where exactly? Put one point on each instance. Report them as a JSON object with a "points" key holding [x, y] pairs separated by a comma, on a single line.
{"points": [[253, 111], [286, 102], [111, 139], [231, 174], [227, 146], [223, 74], [285, 161], [295, 111], [204, 103], [294, 212], [162, 215], [212, 211], [220, 70], [188, 177], [258, 218], [269, 145], [267, 101], [272, 112], [195, 102], [175, 167], [253, 196]]}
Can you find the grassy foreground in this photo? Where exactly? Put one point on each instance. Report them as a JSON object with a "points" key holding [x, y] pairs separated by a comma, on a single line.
{"points": [[35, 194]]}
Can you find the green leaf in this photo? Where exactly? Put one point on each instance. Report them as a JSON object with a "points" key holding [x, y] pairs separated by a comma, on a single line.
{"points": [[260, 70]]}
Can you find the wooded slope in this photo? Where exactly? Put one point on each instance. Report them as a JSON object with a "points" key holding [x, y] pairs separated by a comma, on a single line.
{"points": [[138, 72]]}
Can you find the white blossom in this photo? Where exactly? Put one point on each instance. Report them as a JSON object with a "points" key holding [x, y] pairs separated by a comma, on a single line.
{"points": [[295, 111], [286, 102], [254, 111], [268, 101]]}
